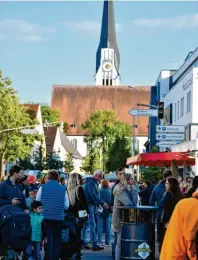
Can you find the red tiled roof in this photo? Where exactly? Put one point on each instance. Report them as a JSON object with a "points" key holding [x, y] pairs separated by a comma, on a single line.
{"points": [[76, 103], [32, 107], [50, 135]]}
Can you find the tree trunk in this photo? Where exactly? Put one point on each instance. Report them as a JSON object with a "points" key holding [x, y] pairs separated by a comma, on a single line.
{"points": [[2, 166]]}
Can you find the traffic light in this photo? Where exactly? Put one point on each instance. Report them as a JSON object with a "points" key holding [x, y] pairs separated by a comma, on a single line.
{"points": [[160, 110]]}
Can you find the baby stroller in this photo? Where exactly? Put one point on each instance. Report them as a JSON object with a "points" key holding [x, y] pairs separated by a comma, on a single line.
{"points": [[68, 235], [15, 232]]}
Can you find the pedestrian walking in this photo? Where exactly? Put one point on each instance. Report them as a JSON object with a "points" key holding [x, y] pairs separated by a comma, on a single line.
{"points": [[55, 200], [93, 200], [78, 208], [104, 216], [156, 196], [172, 196]]}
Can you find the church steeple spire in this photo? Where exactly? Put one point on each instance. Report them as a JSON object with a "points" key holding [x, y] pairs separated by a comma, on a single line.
{"points": [[108, 57]]}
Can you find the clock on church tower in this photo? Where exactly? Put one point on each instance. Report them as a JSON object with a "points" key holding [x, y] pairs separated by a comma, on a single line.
{"points": [[107, 66]]}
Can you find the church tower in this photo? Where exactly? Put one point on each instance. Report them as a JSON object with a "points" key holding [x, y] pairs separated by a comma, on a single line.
{"points": [[108, 56]]}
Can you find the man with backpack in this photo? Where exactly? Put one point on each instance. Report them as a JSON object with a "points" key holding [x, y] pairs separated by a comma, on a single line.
{"points": [[55, 200], [10, 193]]}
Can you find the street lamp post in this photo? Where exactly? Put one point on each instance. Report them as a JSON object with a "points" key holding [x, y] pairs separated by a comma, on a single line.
{"points": [[133, 125], [104, 147]]}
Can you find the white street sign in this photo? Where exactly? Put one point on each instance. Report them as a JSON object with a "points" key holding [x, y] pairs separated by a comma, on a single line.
{"points": [[170, 137], [170, 129], [167, 143], [143, 112], [29, 131]]}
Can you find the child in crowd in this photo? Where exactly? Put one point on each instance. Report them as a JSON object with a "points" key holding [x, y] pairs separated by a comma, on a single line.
{"points": [[36, 224], [32, 197]]}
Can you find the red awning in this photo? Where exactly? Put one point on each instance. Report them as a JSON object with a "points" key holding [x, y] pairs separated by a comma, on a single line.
{"points": [[161, 159]]}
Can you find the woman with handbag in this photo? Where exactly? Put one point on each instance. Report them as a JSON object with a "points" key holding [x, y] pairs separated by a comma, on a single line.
{"points": [[78, 208], [172, 196]]}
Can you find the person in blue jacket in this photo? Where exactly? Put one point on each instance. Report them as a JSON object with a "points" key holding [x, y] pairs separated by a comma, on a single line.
{"points": [[10, 192], [104, 217], [93, 200]]}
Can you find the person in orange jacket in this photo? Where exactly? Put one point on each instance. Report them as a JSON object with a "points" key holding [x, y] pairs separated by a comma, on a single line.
{"points": [[179, 242]]}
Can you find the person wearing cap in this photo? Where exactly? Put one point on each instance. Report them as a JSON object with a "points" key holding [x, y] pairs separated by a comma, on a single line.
{"points": [[32, 197]]}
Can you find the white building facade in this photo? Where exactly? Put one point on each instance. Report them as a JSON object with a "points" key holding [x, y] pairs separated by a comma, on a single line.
{"points": [[181, 101], [179, 92]]}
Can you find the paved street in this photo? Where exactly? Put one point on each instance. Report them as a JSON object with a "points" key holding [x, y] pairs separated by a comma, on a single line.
{"points": [[104, 255]]}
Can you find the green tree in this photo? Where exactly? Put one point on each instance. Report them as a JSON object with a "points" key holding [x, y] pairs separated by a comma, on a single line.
{"points": [[13, 144], [26, 163], [103, 127], [52, 162], [48, 114], [92, 161], [69, 164], [152, 173], [35, 161], [118, 153], [155, 149]]}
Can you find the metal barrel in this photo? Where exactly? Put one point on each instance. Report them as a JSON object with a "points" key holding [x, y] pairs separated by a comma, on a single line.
{"points": [[138, 241]]}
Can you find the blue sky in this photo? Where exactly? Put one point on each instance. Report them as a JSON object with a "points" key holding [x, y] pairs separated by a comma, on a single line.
{"points": [[55, 43]]}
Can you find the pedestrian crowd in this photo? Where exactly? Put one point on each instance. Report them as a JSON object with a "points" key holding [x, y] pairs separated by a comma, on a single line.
{"points": [[64, 216]]}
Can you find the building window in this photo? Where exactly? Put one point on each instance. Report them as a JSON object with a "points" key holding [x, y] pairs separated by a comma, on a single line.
{"points": [[188, 102], [111, 83], [74, 143], [177, 110], [182, 107], [107, 82], [103, 82]]}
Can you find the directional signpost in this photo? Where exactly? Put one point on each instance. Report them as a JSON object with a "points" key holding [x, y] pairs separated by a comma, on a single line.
{"points": [[169, 129], [166, 144], [143, 112], [169, 135]]}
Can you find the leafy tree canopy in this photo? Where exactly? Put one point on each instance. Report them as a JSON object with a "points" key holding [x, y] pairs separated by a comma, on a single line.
{"points": [[152, 173], [103, 128], [105, 123], [118, 153], [68, 164], [13, 144], [48, 114]]}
